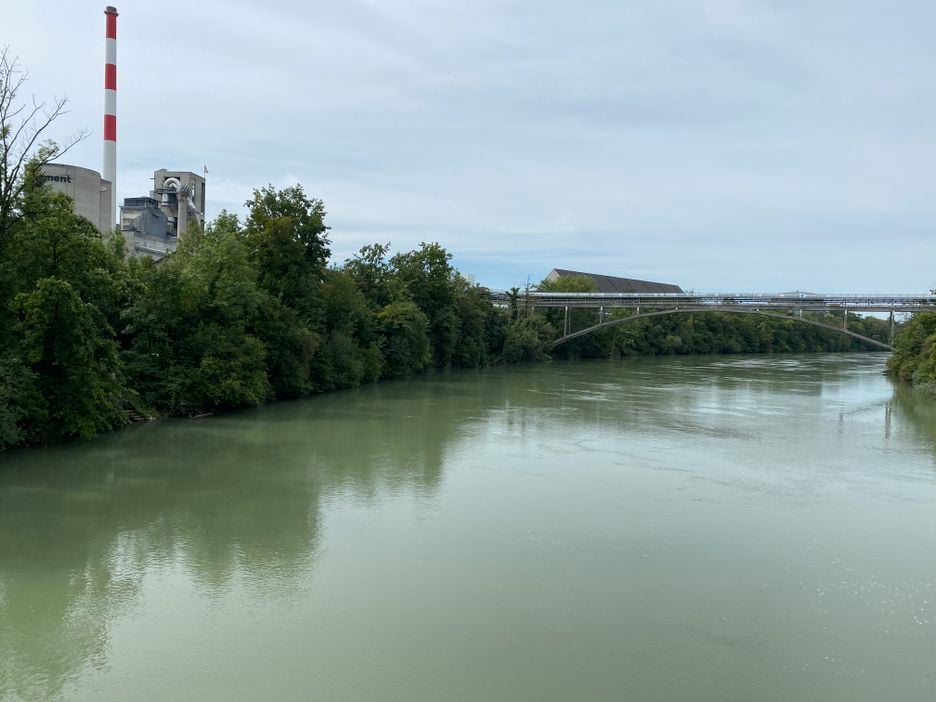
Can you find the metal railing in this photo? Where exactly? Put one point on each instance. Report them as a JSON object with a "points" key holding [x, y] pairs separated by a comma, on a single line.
{"points": [[857, 302]]}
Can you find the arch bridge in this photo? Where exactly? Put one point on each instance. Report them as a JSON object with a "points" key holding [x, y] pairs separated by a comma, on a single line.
{"points": [[785, 306]]}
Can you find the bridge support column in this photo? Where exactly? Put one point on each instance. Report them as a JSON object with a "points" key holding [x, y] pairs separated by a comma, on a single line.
{"points": [[890, 328], [565, 322], [600, 315], [845, 321]]}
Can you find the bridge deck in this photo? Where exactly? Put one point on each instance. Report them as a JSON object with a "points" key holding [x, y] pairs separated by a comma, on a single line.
{"points": [[886, 302]]}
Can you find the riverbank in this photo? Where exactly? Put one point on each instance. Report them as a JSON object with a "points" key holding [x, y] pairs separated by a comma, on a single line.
{"points": [[245, 313], [914, 358], [137, 413]]}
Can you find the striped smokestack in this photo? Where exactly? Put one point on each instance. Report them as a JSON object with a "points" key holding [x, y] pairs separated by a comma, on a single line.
{"points": [[110, 106]]}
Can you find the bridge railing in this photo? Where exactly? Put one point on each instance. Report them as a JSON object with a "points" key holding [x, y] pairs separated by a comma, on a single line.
{"points": [[869, 302]]}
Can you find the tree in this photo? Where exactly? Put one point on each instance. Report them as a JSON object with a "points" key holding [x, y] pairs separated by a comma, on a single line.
{"points": [[914, 358], [528, 340], [192, 328], [51, 241], [290, 345], [22, 128], [287, 238], [76, 369], [372, 274], [472, 308], [60, 287], [426, 275], [405, 343], [18, 400], [350, 354], [513, 296]]}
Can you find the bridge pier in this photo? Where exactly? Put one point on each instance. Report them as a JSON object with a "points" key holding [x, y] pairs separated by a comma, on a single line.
{"points": [[565, 322], [890, 328]]}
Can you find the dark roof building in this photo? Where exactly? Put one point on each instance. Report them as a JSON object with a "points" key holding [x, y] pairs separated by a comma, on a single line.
{"points": [[613, 284]]}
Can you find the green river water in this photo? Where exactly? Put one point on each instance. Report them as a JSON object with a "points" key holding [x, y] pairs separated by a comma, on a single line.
{"points": [[719, 528]]}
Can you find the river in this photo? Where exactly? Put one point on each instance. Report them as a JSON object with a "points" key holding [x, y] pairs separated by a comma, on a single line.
{"points": [[717, 528]]}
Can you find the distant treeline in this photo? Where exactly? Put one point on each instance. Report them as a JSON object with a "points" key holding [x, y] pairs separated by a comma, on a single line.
{"points": [[250, 311]]}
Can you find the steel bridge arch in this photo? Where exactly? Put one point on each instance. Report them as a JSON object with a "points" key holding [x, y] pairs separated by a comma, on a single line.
{"points": [[724, 308]]}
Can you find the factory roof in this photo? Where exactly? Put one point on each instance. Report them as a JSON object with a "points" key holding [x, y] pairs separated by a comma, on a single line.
{"points": [[614, 284]]}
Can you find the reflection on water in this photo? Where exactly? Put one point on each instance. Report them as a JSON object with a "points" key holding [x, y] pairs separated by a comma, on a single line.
{"points": [[551, 532], [915, 410], [233, 496]]}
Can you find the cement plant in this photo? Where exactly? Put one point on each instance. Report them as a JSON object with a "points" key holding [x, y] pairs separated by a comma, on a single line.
{"points": [[152, 224]]}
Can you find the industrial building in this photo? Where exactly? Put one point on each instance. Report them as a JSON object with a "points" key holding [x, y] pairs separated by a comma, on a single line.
{"points": [[613, 284], [91, 193], [152, 225]]}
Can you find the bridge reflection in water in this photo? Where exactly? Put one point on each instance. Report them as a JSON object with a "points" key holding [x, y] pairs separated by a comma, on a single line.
{"points": [[776, 305]]}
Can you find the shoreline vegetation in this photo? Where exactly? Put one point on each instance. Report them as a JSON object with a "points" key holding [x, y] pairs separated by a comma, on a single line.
{"points": [[914, 357], [244, 313]]}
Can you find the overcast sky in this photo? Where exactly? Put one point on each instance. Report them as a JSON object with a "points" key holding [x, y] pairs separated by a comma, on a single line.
{"points": [[719, 144]]}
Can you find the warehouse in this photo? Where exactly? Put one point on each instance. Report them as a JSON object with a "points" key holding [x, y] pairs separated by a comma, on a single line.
{"points": [[613, 284]]}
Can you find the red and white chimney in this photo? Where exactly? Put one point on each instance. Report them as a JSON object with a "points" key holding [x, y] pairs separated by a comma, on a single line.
{"points": [[110, 106]]}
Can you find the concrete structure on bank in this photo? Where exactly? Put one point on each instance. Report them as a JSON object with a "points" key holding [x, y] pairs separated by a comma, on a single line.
{"points": [[152, 225], [613, 284], [91, 193]]}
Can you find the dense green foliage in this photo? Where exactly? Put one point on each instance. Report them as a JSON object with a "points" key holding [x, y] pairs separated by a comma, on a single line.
{"points": [[238, 315], [244, 313], [63, 290], [914, 358]]}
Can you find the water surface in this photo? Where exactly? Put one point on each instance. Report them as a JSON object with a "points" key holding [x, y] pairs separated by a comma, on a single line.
{"points": [[731, 528]]}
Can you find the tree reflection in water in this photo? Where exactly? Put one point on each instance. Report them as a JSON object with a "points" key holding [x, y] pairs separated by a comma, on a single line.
{"points": [[233, 498]]}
